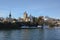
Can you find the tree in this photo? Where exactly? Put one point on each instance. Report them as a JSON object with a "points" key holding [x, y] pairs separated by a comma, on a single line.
{"points": [[40, 20]]}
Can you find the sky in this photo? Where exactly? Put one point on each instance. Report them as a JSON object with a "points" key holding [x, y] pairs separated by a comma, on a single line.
{"points": [[36, 8]]}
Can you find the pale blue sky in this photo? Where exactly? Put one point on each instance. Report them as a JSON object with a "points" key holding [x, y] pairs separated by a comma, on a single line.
{"points": [[49, 8]]}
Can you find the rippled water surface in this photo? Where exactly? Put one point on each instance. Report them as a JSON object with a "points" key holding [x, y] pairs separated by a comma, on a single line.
{"points": [[31, 34]]}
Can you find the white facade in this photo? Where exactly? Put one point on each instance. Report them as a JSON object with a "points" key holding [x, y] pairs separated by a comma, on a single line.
{"points": [[20, 20], [31, 18]]}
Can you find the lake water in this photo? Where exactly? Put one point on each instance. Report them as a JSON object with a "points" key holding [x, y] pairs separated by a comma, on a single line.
{"points": [[31, 34]]}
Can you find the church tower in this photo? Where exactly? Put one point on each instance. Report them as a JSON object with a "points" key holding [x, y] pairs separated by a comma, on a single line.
{"points": [[26, 18], [25, 15], [10, 15], [10, 19]]}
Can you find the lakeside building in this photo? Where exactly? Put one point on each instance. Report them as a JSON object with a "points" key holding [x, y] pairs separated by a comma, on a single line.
{"points": [[31, 18], [8, 19], [1, 19], [27, 18], [52, 20], [20, 19]]}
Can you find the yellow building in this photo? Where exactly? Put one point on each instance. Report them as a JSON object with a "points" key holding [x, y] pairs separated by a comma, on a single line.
{"points": [[26, 18]]}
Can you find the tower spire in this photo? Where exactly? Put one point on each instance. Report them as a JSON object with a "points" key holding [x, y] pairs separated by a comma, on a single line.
{"points": [[10, 14]]}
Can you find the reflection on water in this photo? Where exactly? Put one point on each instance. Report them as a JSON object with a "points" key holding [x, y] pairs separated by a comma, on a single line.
{"points": [[30, 34]]}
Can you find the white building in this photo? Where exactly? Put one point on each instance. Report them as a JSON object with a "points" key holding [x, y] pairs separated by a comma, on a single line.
{"points": [[9, 19], [20, 20], [1, 19], [31, 18]]}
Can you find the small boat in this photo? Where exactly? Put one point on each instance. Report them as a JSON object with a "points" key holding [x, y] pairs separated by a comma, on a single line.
{"points": [[40, 26], [27, 27]]}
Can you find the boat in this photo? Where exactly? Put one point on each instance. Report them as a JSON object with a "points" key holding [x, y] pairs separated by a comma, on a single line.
{"points": [[27, 27]]}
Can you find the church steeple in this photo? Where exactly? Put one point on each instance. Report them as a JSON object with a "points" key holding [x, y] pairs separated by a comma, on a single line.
{"points": [[10, 19], [25, 14], [10, 14]]}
